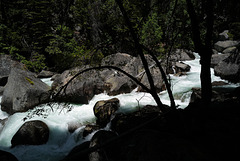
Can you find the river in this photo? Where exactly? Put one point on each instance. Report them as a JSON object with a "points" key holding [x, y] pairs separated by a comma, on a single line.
{"points": [[61, 141]]}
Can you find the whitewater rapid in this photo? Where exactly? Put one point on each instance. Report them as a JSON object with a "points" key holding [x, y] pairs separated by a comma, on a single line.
{"points": [[61, 141]]}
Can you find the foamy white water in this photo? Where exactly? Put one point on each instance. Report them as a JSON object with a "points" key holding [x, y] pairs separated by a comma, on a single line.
{"points": [[61, 141]]}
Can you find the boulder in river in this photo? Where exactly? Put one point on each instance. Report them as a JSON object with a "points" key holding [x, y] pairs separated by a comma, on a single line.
{"points": [[113, 82], [104, 110], [31, 133], [23, 91]]}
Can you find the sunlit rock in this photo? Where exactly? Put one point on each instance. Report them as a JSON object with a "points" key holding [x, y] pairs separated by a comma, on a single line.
{"points": [[23, 91], [104, 110]]}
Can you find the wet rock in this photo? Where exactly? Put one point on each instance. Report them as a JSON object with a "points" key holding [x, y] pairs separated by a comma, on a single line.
{"points": [[89, 129], [23, 91], [181, 67], [6, 156], [104, 110], [31, 133], [2, 123], [219, 83], [72, 126]]}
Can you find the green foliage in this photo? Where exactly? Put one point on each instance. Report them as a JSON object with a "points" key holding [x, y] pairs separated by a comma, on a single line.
{"points": [[66, 51], [151, 34]]}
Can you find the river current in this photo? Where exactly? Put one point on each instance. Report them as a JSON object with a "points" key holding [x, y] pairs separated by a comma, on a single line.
{"points": [[61, 141]]}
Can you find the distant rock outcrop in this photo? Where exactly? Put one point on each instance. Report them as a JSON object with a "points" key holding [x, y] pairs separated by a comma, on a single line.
{"points": [[23, 91]]}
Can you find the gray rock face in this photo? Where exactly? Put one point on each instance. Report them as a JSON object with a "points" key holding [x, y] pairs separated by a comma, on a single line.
{"points": [[229, 68], [23, 91], [86, 85], [222, 45], [217, 58], [31, 133]]}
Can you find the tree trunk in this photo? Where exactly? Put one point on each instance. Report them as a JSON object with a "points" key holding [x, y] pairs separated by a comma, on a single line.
{"points": [[204, 50], [205, 76]]}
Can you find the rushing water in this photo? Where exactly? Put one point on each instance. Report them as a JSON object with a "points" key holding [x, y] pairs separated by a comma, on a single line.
{"points": [[61, 141]]}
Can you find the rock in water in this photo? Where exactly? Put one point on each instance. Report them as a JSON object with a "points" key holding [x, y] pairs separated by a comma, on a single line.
{"points": [[103, 110], [31, 133], [23, 91]]}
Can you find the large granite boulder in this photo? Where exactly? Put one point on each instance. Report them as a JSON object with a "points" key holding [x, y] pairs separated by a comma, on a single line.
{"points": [[23, 91], [90, 83], [104, 110], [31, 133], [229, 68], [82, 88], [6, 156], [157, 78]]}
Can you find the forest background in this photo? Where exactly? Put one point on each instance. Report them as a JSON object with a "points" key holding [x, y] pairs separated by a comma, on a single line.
{"points": [[59, 34]]}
